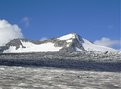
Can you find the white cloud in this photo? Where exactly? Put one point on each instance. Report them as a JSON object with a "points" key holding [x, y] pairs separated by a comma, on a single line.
{"points": [[8, 32], [26, 21], [43, 38], [107, 42]]}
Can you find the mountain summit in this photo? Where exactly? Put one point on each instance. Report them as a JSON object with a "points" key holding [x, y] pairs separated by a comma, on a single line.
{"points": [[80, 44], [67, 43]]}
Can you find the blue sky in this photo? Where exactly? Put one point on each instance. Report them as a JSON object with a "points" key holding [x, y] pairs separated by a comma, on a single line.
{"points": [[92, 19]]}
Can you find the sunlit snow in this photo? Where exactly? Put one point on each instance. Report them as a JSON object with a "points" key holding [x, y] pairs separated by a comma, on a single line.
{"points": [[92, 47], [67, 37], [50, 46], [31, 47]]}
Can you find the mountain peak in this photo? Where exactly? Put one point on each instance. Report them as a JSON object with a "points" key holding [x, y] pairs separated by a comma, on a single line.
{"points": [[70, 42], [69, 36]]}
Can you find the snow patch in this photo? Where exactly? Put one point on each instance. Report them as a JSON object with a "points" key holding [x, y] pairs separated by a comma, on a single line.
{"points": [[67, 37], [88, 88], [2, 68], [31, 47], [69, 41], [23, 84], [77, 49]]}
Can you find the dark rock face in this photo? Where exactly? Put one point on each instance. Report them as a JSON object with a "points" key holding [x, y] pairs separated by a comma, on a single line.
{"points": [[15, 42]]}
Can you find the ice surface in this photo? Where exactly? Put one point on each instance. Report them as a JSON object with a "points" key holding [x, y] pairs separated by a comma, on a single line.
{"points": [[55, 78]]}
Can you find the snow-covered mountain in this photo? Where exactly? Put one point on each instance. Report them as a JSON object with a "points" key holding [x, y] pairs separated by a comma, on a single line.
{"points": [[70, 42]]}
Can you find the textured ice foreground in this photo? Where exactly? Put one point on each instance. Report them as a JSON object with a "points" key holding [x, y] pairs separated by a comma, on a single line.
{"points": [[55, 78]]}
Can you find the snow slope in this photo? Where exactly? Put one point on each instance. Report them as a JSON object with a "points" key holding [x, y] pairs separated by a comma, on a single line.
{"points": [[87, 45], [31, 47], [92, 47]]}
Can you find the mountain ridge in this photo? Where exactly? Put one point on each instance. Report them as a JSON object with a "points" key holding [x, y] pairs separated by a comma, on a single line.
{"points": [[67, 43]]}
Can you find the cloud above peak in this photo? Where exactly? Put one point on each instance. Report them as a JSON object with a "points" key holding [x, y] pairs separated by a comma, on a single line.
{"points": [[8, 32], [25, 21], [104, 41]]}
